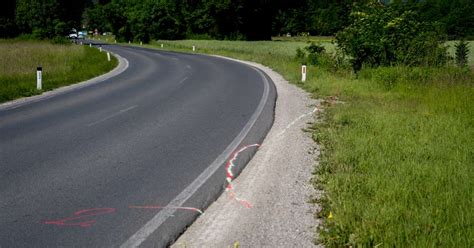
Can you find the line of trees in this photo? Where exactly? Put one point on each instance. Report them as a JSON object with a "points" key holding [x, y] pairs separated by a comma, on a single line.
{"points": [[40, 18], [217, 19]]}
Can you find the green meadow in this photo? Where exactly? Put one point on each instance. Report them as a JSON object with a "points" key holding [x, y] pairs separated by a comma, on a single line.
{"points": [[63, 64]]}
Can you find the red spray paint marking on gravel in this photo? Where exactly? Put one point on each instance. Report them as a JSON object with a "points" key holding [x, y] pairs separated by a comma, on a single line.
{"points": [[230, 176], [80, 217]]}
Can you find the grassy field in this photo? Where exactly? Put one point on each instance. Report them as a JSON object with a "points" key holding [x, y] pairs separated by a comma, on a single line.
{"points": [[304, 38], [397, 161], [62, 65]]}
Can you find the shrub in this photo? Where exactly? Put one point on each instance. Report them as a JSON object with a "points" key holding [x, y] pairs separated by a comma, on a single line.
{"points": [[315, 52], [300, 55], [380, 35]]}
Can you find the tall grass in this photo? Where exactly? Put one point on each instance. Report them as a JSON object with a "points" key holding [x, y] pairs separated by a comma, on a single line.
{"points": [[397, 160], [62, 65]]}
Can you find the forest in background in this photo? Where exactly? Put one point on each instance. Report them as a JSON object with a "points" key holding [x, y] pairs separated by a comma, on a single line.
{"points": [[213, 19]]}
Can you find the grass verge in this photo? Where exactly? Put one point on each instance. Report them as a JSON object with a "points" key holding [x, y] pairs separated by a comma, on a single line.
{"points": [[397, 158], [62, 65], [397, 145]]}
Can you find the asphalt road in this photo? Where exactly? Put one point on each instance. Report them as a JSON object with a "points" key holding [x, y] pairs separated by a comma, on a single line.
{"points": [[73, 166]]}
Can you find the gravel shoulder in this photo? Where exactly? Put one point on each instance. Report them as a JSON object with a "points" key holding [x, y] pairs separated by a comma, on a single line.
{"points": [[276, 182]]}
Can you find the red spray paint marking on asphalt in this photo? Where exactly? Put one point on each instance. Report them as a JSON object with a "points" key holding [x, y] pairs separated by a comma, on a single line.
{"points": [[79, 216], [82, 214], [170, 207], [230, 176]]}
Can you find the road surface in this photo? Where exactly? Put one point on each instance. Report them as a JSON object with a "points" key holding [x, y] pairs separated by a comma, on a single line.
{"points": [[112, 164]]}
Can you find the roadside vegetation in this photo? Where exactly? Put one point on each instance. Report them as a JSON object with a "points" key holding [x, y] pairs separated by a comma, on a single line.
{"points": [[397, 138], [63, 64]]}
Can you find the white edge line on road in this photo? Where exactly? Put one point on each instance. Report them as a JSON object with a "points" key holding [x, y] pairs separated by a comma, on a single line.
{"points": [[144, 232], [121, 67]]}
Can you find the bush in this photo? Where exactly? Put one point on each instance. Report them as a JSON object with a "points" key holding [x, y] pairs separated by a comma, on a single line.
{"points": [[300, 56], [379, 35], [315, 54]]}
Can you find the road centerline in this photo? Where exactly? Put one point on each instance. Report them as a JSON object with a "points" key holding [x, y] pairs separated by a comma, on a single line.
{"points": [[112, 116]]}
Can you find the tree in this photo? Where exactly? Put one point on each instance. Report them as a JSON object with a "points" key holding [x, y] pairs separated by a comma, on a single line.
{"points": [[48, 18], [7, 19], [328, 17], [37, 17], [95, 17]]}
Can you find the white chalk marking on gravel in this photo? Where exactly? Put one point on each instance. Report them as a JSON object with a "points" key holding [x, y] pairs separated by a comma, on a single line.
{"points": [[295, 121]]}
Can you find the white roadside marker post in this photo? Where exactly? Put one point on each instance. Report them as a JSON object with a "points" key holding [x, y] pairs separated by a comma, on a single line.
{"points": [[128, 42], [115, 41], [108, 56], [161, 45], [141, 43], [90, 44], [39, 77], [303, 73], [100, 48], [194, 48]]}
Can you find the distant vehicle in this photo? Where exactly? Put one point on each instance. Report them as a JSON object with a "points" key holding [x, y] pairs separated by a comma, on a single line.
{"points": [[81, 34], [77, 35]]}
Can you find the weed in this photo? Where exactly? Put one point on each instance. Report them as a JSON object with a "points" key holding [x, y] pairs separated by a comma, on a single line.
{"points": [[462, 52]]}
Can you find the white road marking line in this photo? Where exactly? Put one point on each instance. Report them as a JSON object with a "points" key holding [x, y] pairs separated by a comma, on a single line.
{"points": [[112, 116], [141, 235]]}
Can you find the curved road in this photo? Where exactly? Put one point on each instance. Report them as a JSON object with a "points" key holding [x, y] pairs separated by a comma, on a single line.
{"points": [[75, 167]]}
